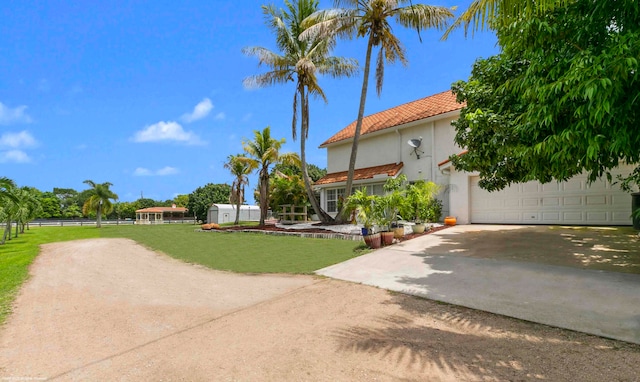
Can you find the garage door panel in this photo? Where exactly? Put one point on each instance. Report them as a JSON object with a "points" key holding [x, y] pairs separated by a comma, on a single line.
{"points": [[596, 200], [571, 202], [551, 201]]}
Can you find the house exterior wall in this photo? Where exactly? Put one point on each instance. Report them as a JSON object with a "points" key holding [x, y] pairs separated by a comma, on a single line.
{"points": [[390, 146]]}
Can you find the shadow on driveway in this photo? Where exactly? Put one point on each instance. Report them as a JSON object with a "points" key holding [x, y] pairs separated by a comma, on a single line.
{"points": [[549, 275], [615, 249]]}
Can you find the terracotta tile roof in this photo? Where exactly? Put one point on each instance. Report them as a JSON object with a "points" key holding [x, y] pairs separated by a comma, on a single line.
{"points": [[413, 111], [391, 169], [449, 160], [163, 209]]}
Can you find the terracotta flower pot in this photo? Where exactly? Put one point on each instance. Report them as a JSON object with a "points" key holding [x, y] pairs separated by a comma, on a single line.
{"points": [[387, 237], [450, 220], [373, 241]]}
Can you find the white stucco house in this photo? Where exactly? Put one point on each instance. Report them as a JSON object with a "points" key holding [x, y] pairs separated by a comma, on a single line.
{"points": [[387, 148]]}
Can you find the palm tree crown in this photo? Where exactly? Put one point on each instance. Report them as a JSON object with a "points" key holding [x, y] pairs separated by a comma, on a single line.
{"points": [[264, 151], [300, 60], [240, 170], [371, 19], [99, 200]]}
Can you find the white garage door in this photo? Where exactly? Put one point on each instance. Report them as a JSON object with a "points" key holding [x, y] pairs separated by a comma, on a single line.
{"points": [[572, 202]]}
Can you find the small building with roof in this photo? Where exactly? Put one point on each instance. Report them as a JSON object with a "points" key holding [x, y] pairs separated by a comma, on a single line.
{"points": [[159, 215]]}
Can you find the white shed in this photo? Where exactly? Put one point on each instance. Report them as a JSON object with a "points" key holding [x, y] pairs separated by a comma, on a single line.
{"points": [[226, 213]]}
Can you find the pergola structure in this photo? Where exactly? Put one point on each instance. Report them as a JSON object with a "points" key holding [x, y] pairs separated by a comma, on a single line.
{"points": [[157, 215]]}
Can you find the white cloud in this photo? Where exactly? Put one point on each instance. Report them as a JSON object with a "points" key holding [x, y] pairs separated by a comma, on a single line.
{"points": [[15, 115], [17, 140], [141, 171], [247, 117], [166, 131], [200, 111], [167, 171], [221, 116], [14, 156]]}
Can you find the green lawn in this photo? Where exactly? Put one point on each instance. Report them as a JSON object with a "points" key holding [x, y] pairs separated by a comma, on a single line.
{"points": [[236, 252], [239, 252], [16, 256]]}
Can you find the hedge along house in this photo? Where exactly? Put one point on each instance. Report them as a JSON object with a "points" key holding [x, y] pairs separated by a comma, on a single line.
{"points": [[417, 139], [226, 213], [158, 215]]}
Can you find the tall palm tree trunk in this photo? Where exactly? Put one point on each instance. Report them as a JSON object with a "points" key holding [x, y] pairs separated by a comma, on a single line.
{"points": [[264, 195], [238, 204], [99, 216], [341, 217], [324, 217]]}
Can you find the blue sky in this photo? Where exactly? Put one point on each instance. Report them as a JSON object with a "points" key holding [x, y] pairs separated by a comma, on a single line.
{"points": [[148, 95]]}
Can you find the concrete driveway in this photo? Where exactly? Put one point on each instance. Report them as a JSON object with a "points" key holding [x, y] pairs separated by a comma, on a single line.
{"points": [[549, 275]]}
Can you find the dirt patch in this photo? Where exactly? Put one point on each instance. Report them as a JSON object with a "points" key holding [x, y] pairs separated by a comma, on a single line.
{"points": [[110, 309]]}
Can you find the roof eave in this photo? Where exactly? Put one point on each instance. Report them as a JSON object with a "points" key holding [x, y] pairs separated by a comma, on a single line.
{"points": [[393, 128]]}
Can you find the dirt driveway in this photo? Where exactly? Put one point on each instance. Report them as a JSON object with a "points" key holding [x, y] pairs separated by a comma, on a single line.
{"points": [[109, 309]]}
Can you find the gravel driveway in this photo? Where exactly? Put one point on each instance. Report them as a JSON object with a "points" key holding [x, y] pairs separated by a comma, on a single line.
{"points": [[109, 309]]}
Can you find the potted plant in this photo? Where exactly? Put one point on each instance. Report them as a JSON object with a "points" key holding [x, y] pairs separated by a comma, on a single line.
{"points": [[395, 189], [363, 204], [383, 215], [420, 196]]}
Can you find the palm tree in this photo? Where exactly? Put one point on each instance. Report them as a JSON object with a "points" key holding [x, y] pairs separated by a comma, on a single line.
{"points": [[26, 209], [262, 152], [6, 190], [8, 203], [240, 170], [299, 60], [370, 18], [99, 200]]}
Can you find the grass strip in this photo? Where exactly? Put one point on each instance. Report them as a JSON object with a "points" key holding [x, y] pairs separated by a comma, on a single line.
{"points": [[239, 252]]}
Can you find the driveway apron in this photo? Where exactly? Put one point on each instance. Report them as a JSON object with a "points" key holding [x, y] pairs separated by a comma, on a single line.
{"points": [[591, 301]]}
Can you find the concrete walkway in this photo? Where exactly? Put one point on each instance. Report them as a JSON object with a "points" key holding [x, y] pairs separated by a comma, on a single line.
{"points": [[597, 302]]}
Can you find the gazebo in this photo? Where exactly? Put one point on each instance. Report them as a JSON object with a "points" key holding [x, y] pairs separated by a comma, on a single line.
{"points": [[157, 215]]}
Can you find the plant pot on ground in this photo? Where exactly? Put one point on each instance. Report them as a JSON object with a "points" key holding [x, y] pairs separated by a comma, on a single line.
{"points": [[386, 237], [373, 241], [418, 228]]}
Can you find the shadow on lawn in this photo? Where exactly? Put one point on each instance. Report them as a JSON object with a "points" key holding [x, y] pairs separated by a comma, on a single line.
{"points": [[473, 345]]}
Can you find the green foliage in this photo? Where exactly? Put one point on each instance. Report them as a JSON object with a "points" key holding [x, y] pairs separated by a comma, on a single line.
{"points": [[263, 152], [419, 203], [363, 203], [287, 190], [238, 252], [181, 200], [314, 171], [561, 99], [203, 197]]}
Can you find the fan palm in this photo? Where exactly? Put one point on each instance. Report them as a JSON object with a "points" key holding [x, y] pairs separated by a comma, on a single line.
{"points": [[99, 200], [262, 152], [371, 19], [240, 170], [300, 61]]}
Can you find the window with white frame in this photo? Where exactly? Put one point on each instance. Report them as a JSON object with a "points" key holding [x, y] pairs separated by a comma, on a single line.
{"points": [[333, 196], [336, 194]]}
